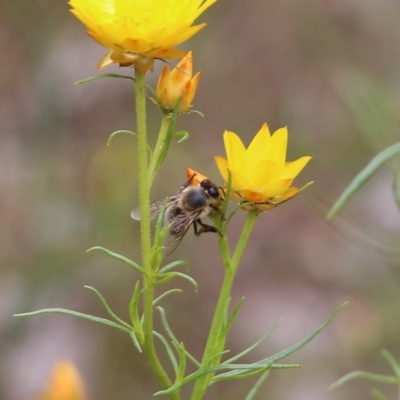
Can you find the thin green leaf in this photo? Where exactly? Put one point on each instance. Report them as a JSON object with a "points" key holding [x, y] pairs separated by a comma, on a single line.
{"points": [[118, 257], [395, 186], [111, 137], [174, 264], [167, 276], [241, 374], [257, 386], [159, 298], [182, 361], [366, 174], [301, 343], [135, 341], [392, 361], [251, 370], [172, 336], [189, 378], [252, 347], [393, 380], [134, 313], [168, 138], [378, 395], [75, 314], [228, 324], [196, 112], [169, 351], [183, 134], [102, 76], [107, 307]]}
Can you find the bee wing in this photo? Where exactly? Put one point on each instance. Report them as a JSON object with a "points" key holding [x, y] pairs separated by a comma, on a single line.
{"points": [[180, 225], [155, 208]]}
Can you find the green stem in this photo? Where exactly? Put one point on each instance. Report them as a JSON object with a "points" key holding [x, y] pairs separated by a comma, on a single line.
{"points": [[145, 232], [160, 148], [216, 341]]}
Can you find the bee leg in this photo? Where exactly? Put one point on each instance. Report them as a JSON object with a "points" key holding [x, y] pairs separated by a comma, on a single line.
{"points": [[204, 228], [218, 211]]}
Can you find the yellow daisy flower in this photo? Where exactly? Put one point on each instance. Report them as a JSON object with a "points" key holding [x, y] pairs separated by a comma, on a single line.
{"points": [[136, 32], [260, 176]]}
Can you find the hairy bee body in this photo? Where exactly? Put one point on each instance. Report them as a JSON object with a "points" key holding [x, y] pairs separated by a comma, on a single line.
{"points": [[193, 202]]}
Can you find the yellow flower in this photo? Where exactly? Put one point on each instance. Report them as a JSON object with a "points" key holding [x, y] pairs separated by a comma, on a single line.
{"points": [[260, 176], [177, 83], [136, 31], [64, 383]]}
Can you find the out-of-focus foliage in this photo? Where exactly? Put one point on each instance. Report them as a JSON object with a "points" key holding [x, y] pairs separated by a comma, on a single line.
{"points": [[328, 70]]}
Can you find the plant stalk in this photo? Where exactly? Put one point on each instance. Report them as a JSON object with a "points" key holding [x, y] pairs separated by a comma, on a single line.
{"points": [[216, 341]]}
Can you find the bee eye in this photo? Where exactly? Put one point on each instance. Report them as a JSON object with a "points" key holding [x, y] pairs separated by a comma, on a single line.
{"points": [[213, 192]]}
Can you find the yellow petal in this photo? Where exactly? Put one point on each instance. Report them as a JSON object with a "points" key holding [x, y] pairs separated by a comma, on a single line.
{"points": [[292, 169], [277, 151], [292, 191], [277, 188], [263, 174], [239, 182], [223, 167], [235, 150], [258, 148]]}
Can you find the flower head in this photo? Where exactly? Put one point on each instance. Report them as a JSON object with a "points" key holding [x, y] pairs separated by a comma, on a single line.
{"points": [[64, 383], [260, 176], [136, 32], [177, 84]]}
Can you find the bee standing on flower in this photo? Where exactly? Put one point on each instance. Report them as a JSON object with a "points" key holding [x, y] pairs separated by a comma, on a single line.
{"points": [[197, 198]]}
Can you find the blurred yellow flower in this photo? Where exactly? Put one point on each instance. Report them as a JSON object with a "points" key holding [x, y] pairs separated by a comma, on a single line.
{"points": [[64, 383], [177, 83], [136, 31], [260, 176]]}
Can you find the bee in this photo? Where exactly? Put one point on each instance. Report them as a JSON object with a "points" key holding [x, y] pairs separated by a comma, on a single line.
{"points": [[197, 198]]}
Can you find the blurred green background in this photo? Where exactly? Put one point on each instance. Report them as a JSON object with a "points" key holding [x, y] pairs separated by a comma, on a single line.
{"points": [[329, 70]]}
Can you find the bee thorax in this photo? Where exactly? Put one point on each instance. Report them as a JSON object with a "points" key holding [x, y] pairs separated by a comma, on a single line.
{"points": [[194, 200]]}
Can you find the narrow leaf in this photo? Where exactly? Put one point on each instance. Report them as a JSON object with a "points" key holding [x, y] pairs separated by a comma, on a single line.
{"points": [[172, 336], [366, 174], [301, 343], [365, 375], [254, 390], [233, 316], [169, 350], [395, 187], [102, 76], [167, 276], [393, 363], [249, 349], [183, 134], [182, 361], [112, 136], [378, 395], [241, 374], [159, 298], [174, 264], [118, 257], [135, 341], [75, 314], [134, 313], [107, 307]]}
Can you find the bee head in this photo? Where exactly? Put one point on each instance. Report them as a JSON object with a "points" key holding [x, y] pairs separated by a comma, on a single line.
{"points": [[210, 188]]}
